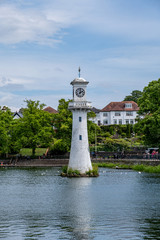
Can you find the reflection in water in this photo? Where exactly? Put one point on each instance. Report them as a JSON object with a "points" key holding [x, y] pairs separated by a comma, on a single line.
{"points": [[152, 229], [78, 218], [39, 204]]}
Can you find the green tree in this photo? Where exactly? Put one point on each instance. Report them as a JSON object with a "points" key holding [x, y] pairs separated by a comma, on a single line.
{"points": [[35, 127], [150, 100], [149, 125], [62, 122], [134, 96], [93, 129], [6, 121], [116, 144]]}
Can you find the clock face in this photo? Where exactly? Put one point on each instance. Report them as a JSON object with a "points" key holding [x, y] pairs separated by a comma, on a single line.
{"points": [[80, 92]]}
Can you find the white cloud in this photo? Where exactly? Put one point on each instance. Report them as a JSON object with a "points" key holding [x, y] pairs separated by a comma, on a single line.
{"points": [[19, 25], [45, 22]]}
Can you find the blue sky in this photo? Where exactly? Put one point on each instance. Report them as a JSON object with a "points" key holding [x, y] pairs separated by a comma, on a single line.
{"points": [[42, 43]]}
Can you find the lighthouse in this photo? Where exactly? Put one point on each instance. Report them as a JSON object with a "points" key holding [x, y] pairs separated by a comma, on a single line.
{"points": [[79, 154]]}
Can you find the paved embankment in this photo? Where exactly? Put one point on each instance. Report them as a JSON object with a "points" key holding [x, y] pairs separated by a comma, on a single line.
{"points": [[63, 162]]}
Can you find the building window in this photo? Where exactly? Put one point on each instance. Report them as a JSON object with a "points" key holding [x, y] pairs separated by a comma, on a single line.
{"points": [[120, 121], [128, 105], [115, 121], [80, 119], [129, 113], [127, 121], [105, 114], [105, 122], [131, 121], [99, 122], [80, 137], [117, 114]]}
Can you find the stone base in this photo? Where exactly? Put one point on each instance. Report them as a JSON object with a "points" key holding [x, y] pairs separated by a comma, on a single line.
{"points": [[78, 175]]}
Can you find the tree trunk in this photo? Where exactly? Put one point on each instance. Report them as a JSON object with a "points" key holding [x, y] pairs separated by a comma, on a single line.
{"points": [[33, 151]]}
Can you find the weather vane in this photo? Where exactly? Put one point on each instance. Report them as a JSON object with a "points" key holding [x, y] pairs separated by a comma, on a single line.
{"points": [[79, 70]]}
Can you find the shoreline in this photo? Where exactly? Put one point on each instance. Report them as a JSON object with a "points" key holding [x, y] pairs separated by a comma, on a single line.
{"points": [[63, 162]]}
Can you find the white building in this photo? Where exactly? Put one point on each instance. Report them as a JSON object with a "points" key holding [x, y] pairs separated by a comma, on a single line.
{"points": [[124, 112]]}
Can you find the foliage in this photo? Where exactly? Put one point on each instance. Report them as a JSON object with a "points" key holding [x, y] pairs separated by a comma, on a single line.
{"points": [[137, 167], [150, 100], [125, 131], [6, 121], [70, 171], [93, 172], [145, 168], [93, 131], [113, 165], [35, 128], [59, 146], [64, 169], [149, 125], [76, 173], [135, 95], [115, 138], [62, 122], [114, 145]]}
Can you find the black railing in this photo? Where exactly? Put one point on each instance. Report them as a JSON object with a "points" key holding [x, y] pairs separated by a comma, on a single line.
{"points": [[125, 156], [97, 155]]}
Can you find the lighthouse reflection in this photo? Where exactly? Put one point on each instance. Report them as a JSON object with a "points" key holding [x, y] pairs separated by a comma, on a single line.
{"points": [[77, 220]]}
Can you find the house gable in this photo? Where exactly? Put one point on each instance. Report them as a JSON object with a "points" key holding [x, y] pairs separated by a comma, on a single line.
{"points": [[50, 110]]}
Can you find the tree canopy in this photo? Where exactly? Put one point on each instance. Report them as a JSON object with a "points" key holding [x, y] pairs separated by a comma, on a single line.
{"points": [[149, 105], [6, 120], [134, 96], [149, 102], [35, 127], [62, 122]]}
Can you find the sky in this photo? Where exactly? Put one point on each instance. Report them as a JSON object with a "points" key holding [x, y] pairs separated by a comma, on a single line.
{"points": [[116, 43]]}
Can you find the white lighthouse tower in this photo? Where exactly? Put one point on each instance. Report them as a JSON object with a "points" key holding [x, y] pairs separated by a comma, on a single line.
{"points": [[79, 154]]}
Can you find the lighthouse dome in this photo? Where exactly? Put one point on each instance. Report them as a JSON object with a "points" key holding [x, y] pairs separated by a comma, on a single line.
{"points": [[79, 80]]}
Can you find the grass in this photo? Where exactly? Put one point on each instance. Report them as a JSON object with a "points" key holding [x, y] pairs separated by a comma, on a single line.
{"points": [[141, 167], [28, 151], [93, 172], [148, 169], [113, 165]]}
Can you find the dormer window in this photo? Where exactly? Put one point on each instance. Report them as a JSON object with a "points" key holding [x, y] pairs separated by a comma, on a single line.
{"points": [[128, 105]]}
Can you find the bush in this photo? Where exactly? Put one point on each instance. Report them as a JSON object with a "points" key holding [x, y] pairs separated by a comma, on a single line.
{"points": [[59, 147], [93, 172]]}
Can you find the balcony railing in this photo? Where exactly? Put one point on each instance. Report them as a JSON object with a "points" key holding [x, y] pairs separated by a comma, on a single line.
{"points": [[81, 105]]}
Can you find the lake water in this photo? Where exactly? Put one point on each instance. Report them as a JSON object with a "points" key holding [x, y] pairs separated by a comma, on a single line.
{"points": [[36, 203]]}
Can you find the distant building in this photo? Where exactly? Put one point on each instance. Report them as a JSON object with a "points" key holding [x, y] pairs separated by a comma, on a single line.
{"points": [[17, 115], [96, 119], [124, 112], [4, 108], [50, 110]]}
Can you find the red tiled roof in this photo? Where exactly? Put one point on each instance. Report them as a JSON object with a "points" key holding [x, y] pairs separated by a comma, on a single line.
{"points": [[50, 110], [120, 106]]}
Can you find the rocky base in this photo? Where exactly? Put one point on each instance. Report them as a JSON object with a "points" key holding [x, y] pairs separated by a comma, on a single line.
{"points": [[76, 173], [71, 175]]}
